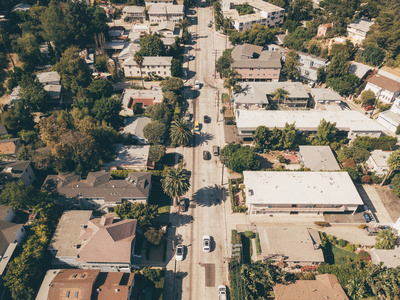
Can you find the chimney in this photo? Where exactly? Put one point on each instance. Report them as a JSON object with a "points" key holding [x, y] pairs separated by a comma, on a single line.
{"points": [[106, 220]]}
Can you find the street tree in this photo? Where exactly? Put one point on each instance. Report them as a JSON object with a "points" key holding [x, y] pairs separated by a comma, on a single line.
{"points": [[325, 133], [144, 213], [73, 70], [393, 163], [159, 112], [175, 182], [231, 82], [154, 131], [368, 97], [261, 136], [172, 84], [138, 58], [100, 88], [242, 159], [154, 236], [279, 95], [176, 68], [386, 239], [180, 133], [156, 152], [290, 68]]}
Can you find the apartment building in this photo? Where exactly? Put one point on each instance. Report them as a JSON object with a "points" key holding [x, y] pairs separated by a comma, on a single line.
{"points": [[157, 65]]}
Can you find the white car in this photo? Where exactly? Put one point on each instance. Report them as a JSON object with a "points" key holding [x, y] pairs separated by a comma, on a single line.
{"points": [[206, 243], [180, 250], [221, 292], [197, 85]]}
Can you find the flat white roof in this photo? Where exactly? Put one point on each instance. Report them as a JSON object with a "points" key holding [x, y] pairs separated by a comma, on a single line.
{"points": [[390, 258], [314, 188], [306, 120], [325, 95], [134, 156], [380, 157]]}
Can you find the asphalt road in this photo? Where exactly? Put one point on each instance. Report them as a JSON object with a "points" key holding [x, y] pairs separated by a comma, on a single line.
{"points": [[199, 274]]}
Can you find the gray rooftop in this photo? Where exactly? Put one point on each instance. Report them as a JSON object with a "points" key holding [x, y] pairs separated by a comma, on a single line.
{"points": [[247, 56], [163, 8], [130, 157], [14, 168], [100, 185], [359, 69], [258, 92], [390, 258], [380, 157], [46, 77], [135, 125], [133, 9], [319, 158], [293, 243], [325, 95], [3, 130], [67, 232], [361, 24], [151, 61]]}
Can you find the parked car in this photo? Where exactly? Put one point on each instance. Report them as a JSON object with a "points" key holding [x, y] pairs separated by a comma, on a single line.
{"points": [[209, 23], [222, 292], [216, 150], [311, 84], [196, 126], [182, 205], [187, 116], [180, 251], [367, 218], [206, 155], [206, 243], [369, 107], [207, 119], [197, 85], [191, 57], [371, 231]]}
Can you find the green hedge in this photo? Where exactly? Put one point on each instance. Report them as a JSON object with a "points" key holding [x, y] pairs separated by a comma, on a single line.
{"points": [[258, 244], [122, 174]]}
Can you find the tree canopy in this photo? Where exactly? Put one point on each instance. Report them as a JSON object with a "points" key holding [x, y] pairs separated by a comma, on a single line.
{"points": [[151, 45], [144, 213], [154, 131]]}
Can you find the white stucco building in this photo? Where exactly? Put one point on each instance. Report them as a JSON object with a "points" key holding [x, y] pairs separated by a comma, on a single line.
{"points": [[358, 29], [157, 65], [134, 13], [166, 12], [377, 162], [384, 88], [390, 119]]}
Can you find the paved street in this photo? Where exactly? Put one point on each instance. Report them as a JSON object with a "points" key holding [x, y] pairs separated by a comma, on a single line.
{"points": [[198, 276]]}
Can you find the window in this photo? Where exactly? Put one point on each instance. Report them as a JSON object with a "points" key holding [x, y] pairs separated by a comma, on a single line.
{"points": [[74, 276], [83, 275], [67, 295]]}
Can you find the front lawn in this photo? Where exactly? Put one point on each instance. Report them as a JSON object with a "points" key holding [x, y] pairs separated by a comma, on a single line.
{"points": [[340, 255]]}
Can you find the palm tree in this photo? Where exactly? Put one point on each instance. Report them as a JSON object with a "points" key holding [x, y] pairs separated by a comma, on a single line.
{"points": [[138, 58], [386, 239], [393, 163], [175, 182], [279, 94], [180, 132], [230, 83]]}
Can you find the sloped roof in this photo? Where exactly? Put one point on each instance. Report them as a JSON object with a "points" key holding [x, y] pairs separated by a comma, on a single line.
{"points": [[8, 233], [107, 243], [108, 283], [166, 25], [385, 83], [326, 286], [361, 24], [48, 77], [319, 158], [135, 125], [247, 56]]}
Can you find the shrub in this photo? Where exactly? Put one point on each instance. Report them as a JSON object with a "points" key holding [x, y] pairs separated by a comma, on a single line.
{"points": [[342, 243], [375, 178], [364, 255], [366, 179], [258, 244], [350, 247], [235, 239], [362, 226], [357, 246], [152, 274], [322, 224], [249, 234]]}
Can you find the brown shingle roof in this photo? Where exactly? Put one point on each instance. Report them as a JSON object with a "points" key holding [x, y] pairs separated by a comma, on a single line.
{"points": [[385, 83], [325, 286], [113, 286]]}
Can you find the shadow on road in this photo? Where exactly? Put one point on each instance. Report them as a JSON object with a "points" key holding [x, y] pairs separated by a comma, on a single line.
{"points": [[182, 219], [202, 138], [207, 196], [174, 291]]}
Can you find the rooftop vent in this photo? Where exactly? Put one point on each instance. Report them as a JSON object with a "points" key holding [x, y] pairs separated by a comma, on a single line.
{"points": [[116, 290]]}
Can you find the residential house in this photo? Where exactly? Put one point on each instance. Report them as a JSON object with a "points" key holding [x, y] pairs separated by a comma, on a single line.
{"points": [[52, 84], [325, 286], [60, 284], [354, 122], [11, 236], [10, 146], [390, 119], [389, 258], [325, 96], [291, 246], [278, 48], [144, 97], [264, 13], [134, 13], [255, 64], [156, 65], [17, 170], [316, 192], [130, 157], [323, 29], [309, 64], [99, 191], [360, 70], [166, 12], [384, 88], [377, 162], [318, 158], [15, 96], [280, 38], [152, 2], [168, 31], [134, 127], [100, 243], [257, 95], [127, 53], [358, 29]]}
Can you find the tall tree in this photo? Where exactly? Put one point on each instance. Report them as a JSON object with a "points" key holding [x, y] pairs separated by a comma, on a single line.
{"points": [[393, 163], [138, 58], [144, 213], [386, 239], [28, 51], [152, 45], [280, 94], [33, 93], [325, 133], [261, 136], [100, 88], [55, 26], [156, 152], [107, 109], [154, 131], [176, 68], [290, 68], [180, 132], [175, 182], [368, 97], [339, 65]]}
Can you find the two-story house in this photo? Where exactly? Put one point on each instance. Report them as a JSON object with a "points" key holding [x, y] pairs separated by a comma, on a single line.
{"points": [[168, 31], [309, 64], [166, 12], [94, 243], [157, 65], [323, 29], [385, 89], [390, 119], [358, 29], [134, 13], [98, 191], [52, 84], [255, 64], [17, 170]]}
